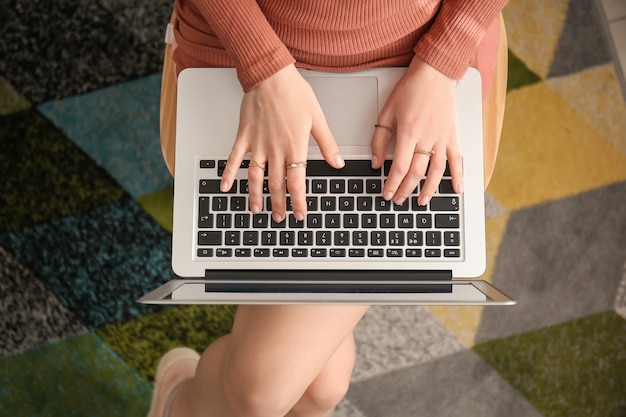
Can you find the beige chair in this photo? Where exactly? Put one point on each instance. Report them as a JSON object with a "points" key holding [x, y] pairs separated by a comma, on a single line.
{"points": [[493, 107]]}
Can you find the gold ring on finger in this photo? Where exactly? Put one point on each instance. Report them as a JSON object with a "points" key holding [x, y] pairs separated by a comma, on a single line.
{"points": [[256, 164], [296, 164], [425, 152]]}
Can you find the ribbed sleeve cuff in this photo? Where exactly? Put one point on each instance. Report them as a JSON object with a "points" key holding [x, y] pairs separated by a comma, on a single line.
{"points": [[452, 41]]}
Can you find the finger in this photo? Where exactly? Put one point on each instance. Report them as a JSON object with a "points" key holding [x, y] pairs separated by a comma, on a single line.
{"points": [[296, 184], [238, 153], [326, 141], [402, 160], [455, 163], [433, 177], [410, 182], [276, 183], [380, 142], [256, 175]]}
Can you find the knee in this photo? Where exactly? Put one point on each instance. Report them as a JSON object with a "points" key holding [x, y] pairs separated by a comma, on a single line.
{"points": [[257, 396], [326, 392]]}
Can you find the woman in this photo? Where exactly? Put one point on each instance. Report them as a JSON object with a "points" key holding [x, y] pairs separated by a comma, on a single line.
{"points": [[297, 360]]}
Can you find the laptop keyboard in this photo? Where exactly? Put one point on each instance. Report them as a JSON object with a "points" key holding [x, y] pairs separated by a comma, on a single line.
{"points": [[347, 218]]}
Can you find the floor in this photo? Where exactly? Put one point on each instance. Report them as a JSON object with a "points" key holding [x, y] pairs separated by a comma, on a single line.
{"points": [[86, 230], [615, 14]]}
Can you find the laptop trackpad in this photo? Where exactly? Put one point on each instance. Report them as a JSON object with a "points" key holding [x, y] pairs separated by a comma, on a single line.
{"points": [[350, 105]]}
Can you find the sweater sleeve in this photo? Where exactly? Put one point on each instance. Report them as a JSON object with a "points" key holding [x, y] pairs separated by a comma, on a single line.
{"points": [[453, 39], [247, 37]]}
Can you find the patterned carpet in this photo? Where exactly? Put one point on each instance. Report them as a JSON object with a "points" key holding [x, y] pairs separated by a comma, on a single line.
{"points": [[85, 215]]}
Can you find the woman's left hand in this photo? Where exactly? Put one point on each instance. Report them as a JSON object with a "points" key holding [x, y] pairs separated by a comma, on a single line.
{"points": [[421, 110]]}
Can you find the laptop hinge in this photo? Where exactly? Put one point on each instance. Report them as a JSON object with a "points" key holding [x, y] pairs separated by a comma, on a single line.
{"points": [[325, 275], [334, 281]]}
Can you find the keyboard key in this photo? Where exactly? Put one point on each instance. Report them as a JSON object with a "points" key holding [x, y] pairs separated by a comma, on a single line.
{"points": [[451, 238], [323, 238], [314, 221], [378, 238], [351, 221], [242, 253], [242, 221], [251, 238], [341, 238], [375, 253], [352, 168], [452, 253], [223, 252], [433, 238], [261, 253], [205, 253], [356, 253], [287, 238], [413, 253], [396, 238], [355, 186], [424, 221], [280, 253], [238, 204], [212, 187], [414, 238], [207, 163], [305, 238], [373, 186], [445, 187], [432, 253], [299, 253], [387, 221], [359, 238], [346, 203], [447, 221], [337, 253], [405, 221], [394, 253], [318, 253], [268, 238], [223, 221], [369, 221], [333, 221], [232, 238], [260, 220], [337, 186], [364, 203], [319, 186], [328, 204], [209, 238], [380, 204], [219, 204], [444, 204]]}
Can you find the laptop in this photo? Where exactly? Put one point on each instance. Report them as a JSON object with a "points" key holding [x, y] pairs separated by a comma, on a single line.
{"points": [[354, 247]]}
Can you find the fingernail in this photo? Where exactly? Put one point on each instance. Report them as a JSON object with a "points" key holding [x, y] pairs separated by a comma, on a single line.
{"points": [[339, 161], [387, 196], [374, 161], [399, 201], [299, 216], [255, 208], [277, 217], [224, 186], [423, 200]]}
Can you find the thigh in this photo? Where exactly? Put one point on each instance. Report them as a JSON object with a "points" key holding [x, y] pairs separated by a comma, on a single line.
{"points": [[290, 344]]}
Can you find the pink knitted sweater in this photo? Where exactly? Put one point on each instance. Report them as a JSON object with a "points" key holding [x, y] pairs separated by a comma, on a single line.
{"points": [[261, 37]]}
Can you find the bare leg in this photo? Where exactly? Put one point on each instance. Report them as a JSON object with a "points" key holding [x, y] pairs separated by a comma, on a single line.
{"points": [[278, 360]]}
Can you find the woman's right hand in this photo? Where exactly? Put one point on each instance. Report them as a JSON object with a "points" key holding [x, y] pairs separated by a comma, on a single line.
{"points": [[276, 119]]}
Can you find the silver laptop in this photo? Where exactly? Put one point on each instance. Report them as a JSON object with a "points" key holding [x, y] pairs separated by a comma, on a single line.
{"points": [[354, 247]]}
